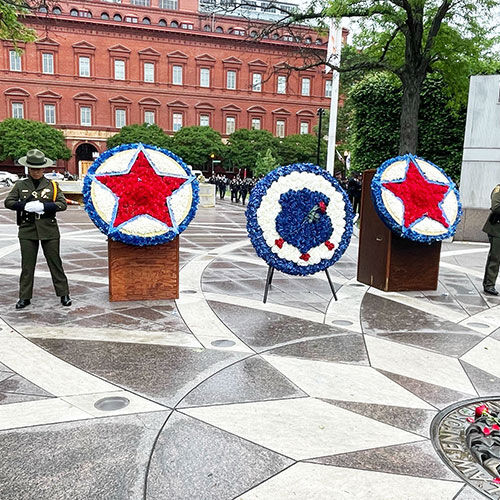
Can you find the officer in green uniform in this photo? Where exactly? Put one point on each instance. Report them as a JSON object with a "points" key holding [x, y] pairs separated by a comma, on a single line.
{"points": [[492, 228], [36, 200]]}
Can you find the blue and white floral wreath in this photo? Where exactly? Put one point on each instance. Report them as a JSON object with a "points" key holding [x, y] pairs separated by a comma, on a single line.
{"points": [[299, 219]]}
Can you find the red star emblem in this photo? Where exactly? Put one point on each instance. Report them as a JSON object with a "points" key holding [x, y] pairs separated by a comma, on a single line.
{"points": [[141, 191], [420, 197]]}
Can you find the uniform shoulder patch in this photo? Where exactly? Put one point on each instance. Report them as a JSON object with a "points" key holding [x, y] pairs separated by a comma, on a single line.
{"points": [[497, 189]]}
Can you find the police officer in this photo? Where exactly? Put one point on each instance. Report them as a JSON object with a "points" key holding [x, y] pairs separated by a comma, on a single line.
{"points": [[492, 229], [36, 200]]}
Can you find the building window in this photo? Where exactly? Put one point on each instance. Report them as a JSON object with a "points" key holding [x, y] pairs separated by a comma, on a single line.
{"points": [[230, 124], [84, 66], [146, 20], [231, 80], [49, 114], [176, 121], [174, 24], [149, 117], [306, 86], [119, 69], [48, 63], [168, 4], [281, 84], [186, 26], [207, 27], [204, 77], [149, 72], [177, 75], [280, 128], [144, 3], [73, 12], [162, 22], [131, 19], [120, 118], [17, 110], [328, 88], [56, 11], [105, 16], [304, 127], [85, 116], [15, 61], [219, 29], [256, 123], [117, 17], [204, 121], [256, 82]]}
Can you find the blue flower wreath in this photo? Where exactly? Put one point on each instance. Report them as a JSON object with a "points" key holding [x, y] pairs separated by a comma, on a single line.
{"points": [[376, 193], [286, 220], [115, 233]]}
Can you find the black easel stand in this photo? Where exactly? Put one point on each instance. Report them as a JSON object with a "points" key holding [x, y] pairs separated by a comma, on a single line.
{"points": [[269, 280]]}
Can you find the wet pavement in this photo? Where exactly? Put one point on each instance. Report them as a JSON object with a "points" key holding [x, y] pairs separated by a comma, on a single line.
{"points": [[302, 397]]}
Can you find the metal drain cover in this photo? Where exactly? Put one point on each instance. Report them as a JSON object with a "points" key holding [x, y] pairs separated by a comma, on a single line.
{"points": [[112, 403], [342, 322], [223, 343]]}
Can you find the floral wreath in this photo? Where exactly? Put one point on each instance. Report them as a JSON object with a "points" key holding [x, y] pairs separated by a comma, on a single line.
{"points": [[416, 199], [299, 219], [140, 194]]}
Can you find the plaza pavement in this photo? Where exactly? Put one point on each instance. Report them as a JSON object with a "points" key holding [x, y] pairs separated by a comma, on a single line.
{"points": [[302, 398]]}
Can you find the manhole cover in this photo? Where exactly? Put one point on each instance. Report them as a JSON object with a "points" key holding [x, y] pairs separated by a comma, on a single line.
{"points": [[189, 291], [223, 343], [112, 403], [342, 322], [459, 448], [478, 325]]}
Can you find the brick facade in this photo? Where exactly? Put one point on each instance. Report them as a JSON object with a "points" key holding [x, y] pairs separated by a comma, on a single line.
{"points": [[88, 76]]}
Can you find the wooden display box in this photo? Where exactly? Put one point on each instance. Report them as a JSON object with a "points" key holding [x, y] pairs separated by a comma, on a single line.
{"points": [[143, 273], [388, 262]]}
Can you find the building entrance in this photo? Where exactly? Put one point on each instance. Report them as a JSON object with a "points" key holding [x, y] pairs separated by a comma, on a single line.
{"points": [[85, 154]]}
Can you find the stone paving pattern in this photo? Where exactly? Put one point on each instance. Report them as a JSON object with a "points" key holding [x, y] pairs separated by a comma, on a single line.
{"points": [[304, 397]]}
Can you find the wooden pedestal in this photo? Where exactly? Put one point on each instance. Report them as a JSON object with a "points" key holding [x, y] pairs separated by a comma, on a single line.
{"points": [[143, 273], [388, 262]]}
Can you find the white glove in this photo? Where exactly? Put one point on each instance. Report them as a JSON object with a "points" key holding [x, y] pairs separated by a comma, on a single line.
{"points": [[34, 206]]}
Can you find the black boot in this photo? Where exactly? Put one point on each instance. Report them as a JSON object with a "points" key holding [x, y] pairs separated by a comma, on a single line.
{"points": [[66, 300], [22, 303]]}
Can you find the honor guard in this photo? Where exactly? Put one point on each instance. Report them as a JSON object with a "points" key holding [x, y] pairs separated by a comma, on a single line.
{"points": [[36, 201], [492, 229]]}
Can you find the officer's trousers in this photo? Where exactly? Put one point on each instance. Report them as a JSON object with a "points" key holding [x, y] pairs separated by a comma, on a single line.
{"points": [[29, 252], [492, 263]]}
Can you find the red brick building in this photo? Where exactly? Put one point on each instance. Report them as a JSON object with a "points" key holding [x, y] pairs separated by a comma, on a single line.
{"points": [[98, 66]]}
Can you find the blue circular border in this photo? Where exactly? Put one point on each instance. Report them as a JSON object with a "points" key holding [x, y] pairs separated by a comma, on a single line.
{"points": [[256, 235], [376, 193], [117, 235]]}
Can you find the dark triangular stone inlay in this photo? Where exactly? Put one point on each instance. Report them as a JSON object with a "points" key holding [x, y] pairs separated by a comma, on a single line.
{"points": [[252, 379], [414, 420], [436, 395], [485, 383], [413, 459], [19, 385]]}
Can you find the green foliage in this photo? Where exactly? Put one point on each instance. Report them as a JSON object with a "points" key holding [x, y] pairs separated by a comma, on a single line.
{"points": [[245, 145], [147, 134], [195, 145], [264, 164], [11, 26], [376, 106], [302, 148], [18, 136]]}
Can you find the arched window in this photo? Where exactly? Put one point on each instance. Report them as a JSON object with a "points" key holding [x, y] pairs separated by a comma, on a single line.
{"points": [[219, 29], [174, 24], [275, 36], [117, 17], [318, 41], [146, 20], [73, 12], [162, 22], [105, 16], [254, 34], [207, 27], [56, 11], [308, 41], [43, 9]]}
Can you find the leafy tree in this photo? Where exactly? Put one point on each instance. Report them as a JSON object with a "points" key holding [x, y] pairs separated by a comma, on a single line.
{"points": [[195, 145], [375, 137], [302, 148], [18, 136], [264, 164], [11, 14], [145, 133], [410, 39], [245, 145]]}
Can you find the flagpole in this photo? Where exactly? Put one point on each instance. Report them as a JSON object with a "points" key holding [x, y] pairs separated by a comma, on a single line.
{"points": [[335, 46]]}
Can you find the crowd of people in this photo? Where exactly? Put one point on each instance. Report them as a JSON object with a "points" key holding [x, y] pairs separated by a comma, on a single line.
{"points": [[239, 188], [352, 187]]}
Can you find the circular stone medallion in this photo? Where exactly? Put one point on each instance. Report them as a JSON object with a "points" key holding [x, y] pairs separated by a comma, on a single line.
{"points": [[140, 194], [299, 219], [416, 199]]}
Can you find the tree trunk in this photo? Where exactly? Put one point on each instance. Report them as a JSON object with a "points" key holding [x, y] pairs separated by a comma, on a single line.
{"points": [[410, 105]]}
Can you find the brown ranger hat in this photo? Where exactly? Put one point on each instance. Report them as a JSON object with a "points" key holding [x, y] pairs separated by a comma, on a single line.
{"points": [[35, 159]]}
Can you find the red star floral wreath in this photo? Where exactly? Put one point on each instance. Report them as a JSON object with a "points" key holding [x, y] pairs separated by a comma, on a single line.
{"points": [[140, 195], [416, 199]]}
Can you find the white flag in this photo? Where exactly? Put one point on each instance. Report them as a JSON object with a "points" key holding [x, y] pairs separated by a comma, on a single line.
{"points": [[334, 41]]}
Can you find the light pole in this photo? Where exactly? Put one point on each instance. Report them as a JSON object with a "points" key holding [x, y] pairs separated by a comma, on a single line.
{"points": [[212, 156], [320, 113]]}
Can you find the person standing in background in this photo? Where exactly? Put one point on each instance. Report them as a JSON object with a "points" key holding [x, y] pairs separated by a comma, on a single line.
{"points": [[492, 229]]}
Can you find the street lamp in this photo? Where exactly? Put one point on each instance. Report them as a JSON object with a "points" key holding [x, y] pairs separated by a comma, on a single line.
{"points": [[320, 113], [212, 156]]}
